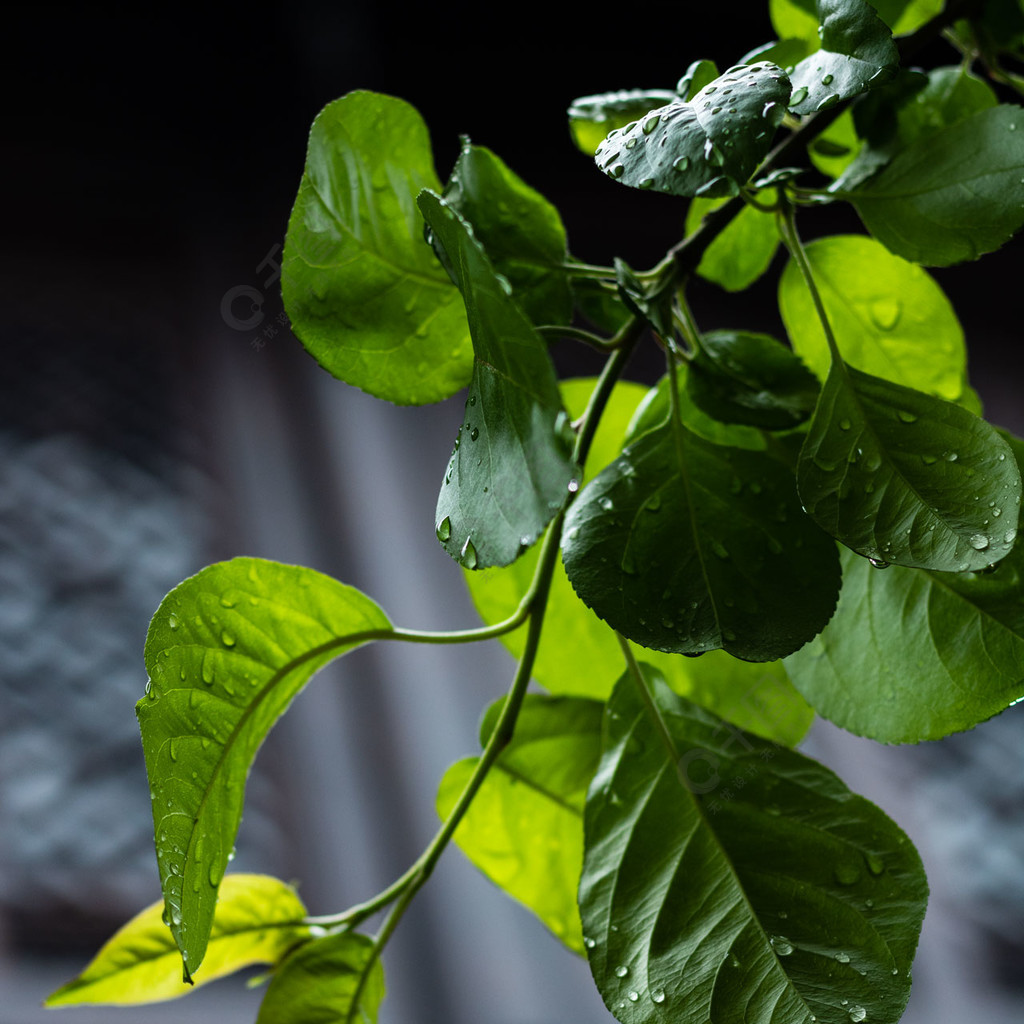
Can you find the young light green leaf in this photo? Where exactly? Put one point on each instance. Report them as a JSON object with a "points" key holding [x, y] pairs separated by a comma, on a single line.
{"points": [[742, 252], [365, 295], [321, 983], [591, 118], [579, 655], [950, 196], [857, 52], [512, 464], [686, 546], [798, 18], [902, 477], [524, 829], [226, 652], [519, 229], [740, 377], [732, 880], [257, 921], [836, 147], [870, 674], [707, 146], [890, 318]]}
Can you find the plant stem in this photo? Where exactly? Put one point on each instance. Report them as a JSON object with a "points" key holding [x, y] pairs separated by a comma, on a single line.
{"points": [[568, 331], [790, 238]]}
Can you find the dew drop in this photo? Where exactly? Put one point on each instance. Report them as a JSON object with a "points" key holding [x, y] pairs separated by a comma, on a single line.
{"points": [[617, 171], [1010, 536], [845, 424], [847, 874], [646, 183], [879, 563], [906, 416], [951, 456], [681, 163], [827, 80], [621, 971], [172, 620], [658, 995], [207, 670], [857, 1013], [843, 958], [979, 542], [606, 503], [474, 434], [227, 639], [589, 942], [634, 996], [467, 556], [781, 945], [444, 529], [574, 486], [885, 313], [798, 96], [875, 863], [650, 124]]}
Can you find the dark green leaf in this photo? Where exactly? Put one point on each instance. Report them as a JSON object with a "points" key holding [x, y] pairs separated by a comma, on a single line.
{"points": [[687, 546], [959, 665], [512, 464], [836, 147], [695, 77], [902, 477], [708, 146], [739, 377], [579, 655], [524, 829], [519, 229], [856, 53], [257, 921], [364, 293], [317, 984], [731, 880], [226, 652], [912, 107], [591, 118], [657, 311], [890, 318], [742, 252], [953, 195], [654, 410]]}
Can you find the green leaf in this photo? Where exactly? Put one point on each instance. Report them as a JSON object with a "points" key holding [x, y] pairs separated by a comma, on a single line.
{"points": [[740, 377], [708, 146], [510, 471], [257, 921], [742, 252], [856, 53], [524, 829], [910, 108], [655, 407], [579, 655], [871, 675], [890, 318], [902, 477], [686, 546], [226, 652], [591, 118], [318, 984], [836, 147], [519, 229], [950, 196], [732, 880], [365, 295], [695, 77], [799, 17]]}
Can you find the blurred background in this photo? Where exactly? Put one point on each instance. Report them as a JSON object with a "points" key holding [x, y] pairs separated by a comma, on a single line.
{"points": [[156, 415]]}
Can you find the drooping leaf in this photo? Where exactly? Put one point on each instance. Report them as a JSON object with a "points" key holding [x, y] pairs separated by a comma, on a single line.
{"points": [[686, 546], [512, 464], [365, 295], [902, 477], [959, 665], [520, 231], [591, 118], [732, 880], [318, 984], [950, 196], [226, 652], [524, 829], [579, 655], [856, 52], [836, 147], [257, 921], [740, 377], [742, 252], [912, 107], [707, 146], [890, 317]]}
